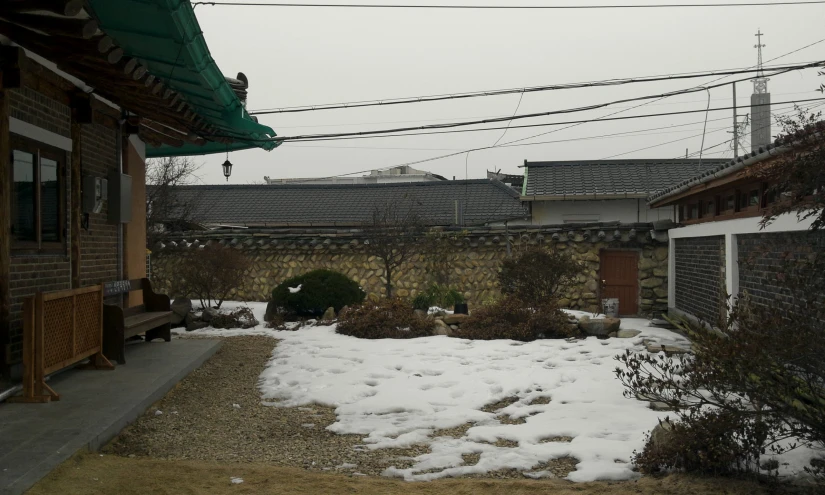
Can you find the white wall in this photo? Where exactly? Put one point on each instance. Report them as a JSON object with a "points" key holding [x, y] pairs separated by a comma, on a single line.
{"points": [[730, 229], [613, 210]]}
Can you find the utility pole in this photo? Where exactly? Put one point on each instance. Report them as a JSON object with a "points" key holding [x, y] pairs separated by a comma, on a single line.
{"points": [[735, 126]]}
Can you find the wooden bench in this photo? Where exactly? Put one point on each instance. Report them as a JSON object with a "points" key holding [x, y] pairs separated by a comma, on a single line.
{"points": [[153, 317]]}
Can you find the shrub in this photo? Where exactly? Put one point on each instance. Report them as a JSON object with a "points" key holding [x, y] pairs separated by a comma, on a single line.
{"points": [[319, 289], [437, 295], [537, 275], [709, 442], [763, 366], [209, 274], [511, 318], [384, 319]]}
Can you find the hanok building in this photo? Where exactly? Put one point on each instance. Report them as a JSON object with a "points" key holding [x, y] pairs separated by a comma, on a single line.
{"points": [[721, 248], [90, 89]]}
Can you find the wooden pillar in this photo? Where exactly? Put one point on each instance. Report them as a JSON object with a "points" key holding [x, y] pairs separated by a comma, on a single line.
{"points": [[75, 207], [5, 230]]}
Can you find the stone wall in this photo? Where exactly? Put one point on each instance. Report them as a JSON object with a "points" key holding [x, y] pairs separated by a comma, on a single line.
{"points": [[474, 261]]}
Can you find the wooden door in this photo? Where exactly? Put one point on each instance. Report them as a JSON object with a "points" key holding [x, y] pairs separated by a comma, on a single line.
{"points": [[620, 275]]}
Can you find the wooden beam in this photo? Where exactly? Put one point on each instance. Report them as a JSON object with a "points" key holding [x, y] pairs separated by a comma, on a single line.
{"points": [[104, 44], [76, 200], [10, 61], [68, 8], [156, 135], [81, 108], [5, 230], [72, 28]]}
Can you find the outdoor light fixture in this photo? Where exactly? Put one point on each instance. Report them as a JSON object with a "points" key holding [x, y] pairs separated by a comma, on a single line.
{"points": [[227, 167]]}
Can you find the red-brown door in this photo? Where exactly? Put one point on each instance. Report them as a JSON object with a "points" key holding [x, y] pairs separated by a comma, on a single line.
{"points": [[620, 275]]}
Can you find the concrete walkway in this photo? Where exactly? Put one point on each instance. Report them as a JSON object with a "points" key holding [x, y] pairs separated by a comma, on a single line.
{"points": [[94, 406]]}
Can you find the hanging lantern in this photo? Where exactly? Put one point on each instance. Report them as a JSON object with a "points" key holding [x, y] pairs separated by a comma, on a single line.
{"points": [[227, 166], [227, 169]]}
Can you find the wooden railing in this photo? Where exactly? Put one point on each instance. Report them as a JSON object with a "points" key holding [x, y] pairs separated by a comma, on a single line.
{"points": [[60, 329]]}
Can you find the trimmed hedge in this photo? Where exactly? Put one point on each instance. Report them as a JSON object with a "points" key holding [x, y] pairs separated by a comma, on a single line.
{"points": [[320, 289]]}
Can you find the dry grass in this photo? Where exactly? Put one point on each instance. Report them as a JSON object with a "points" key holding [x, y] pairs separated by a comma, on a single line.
{"points": [[91, 474]]}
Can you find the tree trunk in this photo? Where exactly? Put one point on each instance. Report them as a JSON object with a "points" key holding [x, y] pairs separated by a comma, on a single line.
{"points": [[388, 271]]}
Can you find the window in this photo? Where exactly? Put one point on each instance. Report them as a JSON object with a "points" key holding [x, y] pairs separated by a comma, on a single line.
{"points": [[710, 208], [38, 195], [730, 202], [694, 211], [753, 198]]}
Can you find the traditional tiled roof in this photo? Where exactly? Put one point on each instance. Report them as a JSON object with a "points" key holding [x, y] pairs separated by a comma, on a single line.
{"points": [[308, 205], [607, 179]]}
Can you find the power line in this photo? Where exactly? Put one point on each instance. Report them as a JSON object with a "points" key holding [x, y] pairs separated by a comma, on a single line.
{"points": [[529, 89], [505, 7], [531, 115], [702, 148], [383, 134], [462, 152]]}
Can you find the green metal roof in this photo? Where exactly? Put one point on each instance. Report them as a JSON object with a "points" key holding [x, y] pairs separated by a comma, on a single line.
{"points": [[166, 37]]}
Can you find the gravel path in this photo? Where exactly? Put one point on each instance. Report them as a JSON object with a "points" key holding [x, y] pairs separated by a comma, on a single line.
{"points": [[215, 414]]}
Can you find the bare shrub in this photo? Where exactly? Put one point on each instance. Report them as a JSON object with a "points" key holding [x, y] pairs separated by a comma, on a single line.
{"points": [[537, 275], [394, 234], [209, 274], [762, 373], [384, 319], [511, 318]]}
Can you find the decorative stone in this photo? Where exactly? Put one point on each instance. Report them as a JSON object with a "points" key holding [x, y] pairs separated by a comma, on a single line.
{"points": [[661, 435], [329, 314], [271, 311], [660, 272], [180, 308], [659, 406], [660, 292], [627, 333], [455, 319], [196, 325], [600, 327], [208, 314], [670, 350]]}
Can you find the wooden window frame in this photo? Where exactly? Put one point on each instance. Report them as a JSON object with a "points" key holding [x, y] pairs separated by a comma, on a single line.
{"points": [[40, 150]]}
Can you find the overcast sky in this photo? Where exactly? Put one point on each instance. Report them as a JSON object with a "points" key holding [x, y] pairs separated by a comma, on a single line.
{"points": [[303, 56]]}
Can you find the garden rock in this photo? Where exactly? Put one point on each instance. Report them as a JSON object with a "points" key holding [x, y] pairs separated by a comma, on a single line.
{"points": [[455, 319], [441, 328], [670, 350], [180, 308], [271, 311], [627, 334], [196, 325], [209, 314], [600, 327], [329, 314], [662, 434]]}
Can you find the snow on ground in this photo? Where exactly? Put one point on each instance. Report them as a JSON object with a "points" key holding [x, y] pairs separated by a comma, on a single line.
{"points": [[398, 392]]}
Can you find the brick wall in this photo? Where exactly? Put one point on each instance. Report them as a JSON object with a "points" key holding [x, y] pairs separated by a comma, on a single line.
{"points": [[41, 111], [30, 273], [762, 257], [98, 245], [700, 276]]}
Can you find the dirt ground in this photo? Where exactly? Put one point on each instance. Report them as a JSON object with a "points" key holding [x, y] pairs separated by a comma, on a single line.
{"points": [[108, 474]]}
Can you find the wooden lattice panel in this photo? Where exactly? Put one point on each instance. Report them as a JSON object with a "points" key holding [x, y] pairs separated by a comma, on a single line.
{"points": [[88, 322], [58, 339]]}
